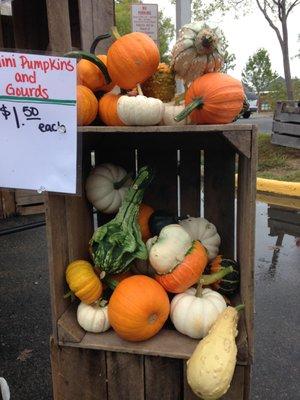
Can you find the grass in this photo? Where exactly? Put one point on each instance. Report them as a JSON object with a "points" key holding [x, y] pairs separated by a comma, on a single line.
{"points": [[277, 162]]}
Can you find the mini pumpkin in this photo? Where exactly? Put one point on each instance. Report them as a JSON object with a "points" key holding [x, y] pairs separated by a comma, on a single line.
{"points": [[204, 231], [213, 98], [194, 311], [138, 308], [229, 285], [108, 111], [131, 59], [106, 187], [83, 281], [145, 213], [93, 318], [87, 106]]}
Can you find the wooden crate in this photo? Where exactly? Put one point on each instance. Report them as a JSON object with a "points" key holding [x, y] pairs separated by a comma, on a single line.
{"points": [[102, 366], [286, 124], [29, 202]]}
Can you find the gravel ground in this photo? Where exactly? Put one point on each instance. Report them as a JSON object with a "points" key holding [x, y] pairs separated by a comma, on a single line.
{"points": [[25, 314]]}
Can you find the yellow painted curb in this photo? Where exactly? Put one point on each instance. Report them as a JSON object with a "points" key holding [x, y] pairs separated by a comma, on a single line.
{"points": [[278, 187]]}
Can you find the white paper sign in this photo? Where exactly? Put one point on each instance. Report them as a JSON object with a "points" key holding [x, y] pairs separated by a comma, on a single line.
{"points": [[38, 132], [144, 18]]}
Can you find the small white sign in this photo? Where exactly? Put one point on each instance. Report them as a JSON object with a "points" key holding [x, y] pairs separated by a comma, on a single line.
{"points": [[144, 18], [38, 122]]}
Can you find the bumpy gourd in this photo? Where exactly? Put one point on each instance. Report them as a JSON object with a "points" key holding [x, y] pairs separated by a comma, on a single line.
{"points": [[210, 368]]}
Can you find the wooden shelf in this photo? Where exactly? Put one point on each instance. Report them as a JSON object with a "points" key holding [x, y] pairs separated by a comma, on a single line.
{"points": [[167, 343]]}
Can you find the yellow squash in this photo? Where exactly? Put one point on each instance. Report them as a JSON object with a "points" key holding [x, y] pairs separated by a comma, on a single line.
{"points": [[210, 368], [83, 281]]}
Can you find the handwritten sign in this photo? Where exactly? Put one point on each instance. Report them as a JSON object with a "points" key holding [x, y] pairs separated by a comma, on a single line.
{"points": [[38, 133], [144, 18]]}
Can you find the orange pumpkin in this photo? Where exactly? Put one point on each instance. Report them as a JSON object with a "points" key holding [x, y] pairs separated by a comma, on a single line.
{"points": [[188, 272], [87, 105], [213, 98], [138, 308], [132, 59], [145, 212], [108, 112], [89, 75]]}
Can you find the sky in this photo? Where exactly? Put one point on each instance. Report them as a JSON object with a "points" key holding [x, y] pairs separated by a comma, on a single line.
{"points": [[249, 33]]}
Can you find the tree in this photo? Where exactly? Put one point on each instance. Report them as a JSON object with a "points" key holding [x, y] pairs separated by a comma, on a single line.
{"points": [[258, 72], [165, 26], [277, 91], [229, 58]]}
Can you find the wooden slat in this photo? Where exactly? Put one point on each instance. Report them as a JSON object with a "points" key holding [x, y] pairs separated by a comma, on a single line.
{"points": [[219, 192], [28, 34], [31, 210], [163, 378], [59, 25], [286, 128], [125, 376], [190, 182], [167, 343], [1, 33], [57, 239], [8, 202], [287, 117], [78, 374], [246, 233], [241, 143], [96, 18], [68, 328], [285, 140], [242, 129], [284, 215]]}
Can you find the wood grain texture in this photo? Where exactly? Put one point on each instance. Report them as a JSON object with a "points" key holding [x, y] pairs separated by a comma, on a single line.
{"points": [[28, 34], [246, 234], [219, 192], [59, 25], [31, 210], [125, 376], [78, 374], [68, 328], [287, 128], [241, 143], [8, 202], [96, 18], [163, 378], [285, 140], [190, 182], [167, 343], [58, 255]]}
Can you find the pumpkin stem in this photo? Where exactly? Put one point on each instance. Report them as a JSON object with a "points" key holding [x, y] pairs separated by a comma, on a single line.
{"points": [[199, 289], [212, 278], [97, 40], [240, 307], [179, 98], [197, 103], [118, 185], [111, 283], [69, 294], [115, 32], [139, 89], [93, 59]]}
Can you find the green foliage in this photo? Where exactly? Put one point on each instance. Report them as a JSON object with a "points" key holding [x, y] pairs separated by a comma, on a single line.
{"points": [[229, 58], [277, 91], [258, 72], [165, 27]]}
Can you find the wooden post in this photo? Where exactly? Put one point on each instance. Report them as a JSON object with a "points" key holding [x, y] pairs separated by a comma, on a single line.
{"points": [[1, 34], [8, 202]]}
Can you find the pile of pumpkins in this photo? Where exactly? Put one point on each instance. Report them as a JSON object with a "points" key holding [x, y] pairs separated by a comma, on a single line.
{"points": [[183, 278], [110, 86]]}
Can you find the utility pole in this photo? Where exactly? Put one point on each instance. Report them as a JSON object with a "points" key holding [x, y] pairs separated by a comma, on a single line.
{"points": [[183, 13]]}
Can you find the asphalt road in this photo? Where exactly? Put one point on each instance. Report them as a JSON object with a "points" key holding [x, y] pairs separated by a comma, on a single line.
{"points": [[25, 313], [263, 122]]}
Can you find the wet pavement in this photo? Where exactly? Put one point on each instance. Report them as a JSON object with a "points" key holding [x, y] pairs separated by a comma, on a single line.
{"points": [[25, 308]]}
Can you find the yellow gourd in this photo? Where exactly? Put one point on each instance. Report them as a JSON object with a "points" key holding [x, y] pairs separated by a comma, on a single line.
{"points": [[83, 281], [210, 368]]}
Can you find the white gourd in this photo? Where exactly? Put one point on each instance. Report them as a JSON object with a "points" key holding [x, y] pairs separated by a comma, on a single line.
{"points": [[168, 249], [211, 367], [193, 316], [93, 318], [171, 110], [204, 231], [140, 110], [102, 187]]}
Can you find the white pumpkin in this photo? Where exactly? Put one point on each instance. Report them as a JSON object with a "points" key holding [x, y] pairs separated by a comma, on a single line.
{"points": [[140, 110], [171, 110], [204, 231], [106, 186], [168, 249], [194, 313], [93, 318]]}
